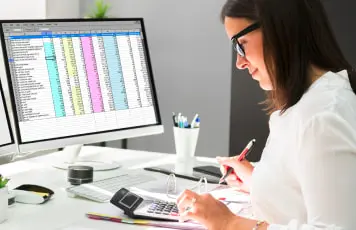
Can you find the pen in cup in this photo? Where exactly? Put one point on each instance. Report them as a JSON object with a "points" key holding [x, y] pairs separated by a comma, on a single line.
{"points": [[192, 124], [242, 156], [175, 121], [181, 121]]}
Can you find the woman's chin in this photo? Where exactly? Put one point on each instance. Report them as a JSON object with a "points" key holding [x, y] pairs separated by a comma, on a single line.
{"points": [[266, 87]]}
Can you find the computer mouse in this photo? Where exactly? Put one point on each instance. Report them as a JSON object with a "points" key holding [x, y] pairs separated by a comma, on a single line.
{"points": [[32, 194]]}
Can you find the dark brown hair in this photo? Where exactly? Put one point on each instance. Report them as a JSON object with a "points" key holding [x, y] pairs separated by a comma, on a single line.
{"points": [[296, 35]]}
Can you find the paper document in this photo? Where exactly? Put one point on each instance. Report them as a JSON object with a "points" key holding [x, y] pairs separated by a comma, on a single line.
{"points": [[236, 201], [109, 212], [76, 228]]}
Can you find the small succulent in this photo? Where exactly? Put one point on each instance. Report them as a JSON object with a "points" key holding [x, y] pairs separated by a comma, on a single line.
{"points": [[3, 181], [100, 10]]}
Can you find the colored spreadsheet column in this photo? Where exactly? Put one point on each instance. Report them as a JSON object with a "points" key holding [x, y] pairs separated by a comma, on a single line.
{"points": [[54, 78], [92, 73], [73, 76], [115, 72]]}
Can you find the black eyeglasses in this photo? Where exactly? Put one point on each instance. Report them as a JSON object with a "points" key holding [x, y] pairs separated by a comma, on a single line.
{"points": [[235, 43]]}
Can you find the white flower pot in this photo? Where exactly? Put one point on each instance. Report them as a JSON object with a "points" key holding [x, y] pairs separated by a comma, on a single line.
{"points": [[3, 204]]}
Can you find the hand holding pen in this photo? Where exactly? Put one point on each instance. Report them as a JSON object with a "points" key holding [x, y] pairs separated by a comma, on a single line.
{"points": [[232, 165]]}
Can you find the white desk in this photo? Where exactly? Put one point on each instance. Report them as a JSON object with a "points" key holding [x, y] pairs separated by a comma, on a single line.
{"points": [[63, 211]]}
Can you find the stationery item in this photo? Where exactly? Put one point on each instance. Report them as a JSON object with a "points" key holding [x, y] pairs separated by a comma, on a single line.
{"points": [[175, 120], [32, 194], [181, 121], [195, 119], [209, 170], [76, 228], [135, 206], [194, 177], [109, 212], [241, 157], [236, 201], [185, 141]]}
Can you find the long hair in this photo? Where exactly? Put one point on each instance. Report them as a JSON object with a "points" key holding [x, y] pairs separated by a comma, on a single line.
{"points": [[296, 35]]}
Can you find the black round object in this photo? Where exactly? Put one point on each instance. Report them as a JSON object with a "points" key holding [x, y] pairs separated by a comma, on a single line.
{"points": [[80, 174]]}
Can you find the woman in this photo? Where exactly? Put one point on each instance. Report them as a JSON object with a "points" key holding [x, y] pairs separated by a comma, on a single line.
{"points": [[305, 179]]}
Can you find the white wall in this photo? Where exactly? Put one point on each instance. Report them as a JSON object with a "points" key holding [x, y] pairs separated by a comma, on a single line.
{"points": [[21, 9], [39, 9], [191, 60], [62, 8]]}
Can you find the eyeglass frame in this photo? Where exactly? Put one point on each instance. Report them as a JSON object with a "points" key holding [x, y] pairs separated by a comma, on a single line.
{"points": [[235, 43]]}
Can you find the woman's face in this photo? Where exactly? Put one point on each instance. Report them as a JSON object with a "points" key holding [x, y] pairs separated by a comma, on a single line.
{"points": [[253, 47]]}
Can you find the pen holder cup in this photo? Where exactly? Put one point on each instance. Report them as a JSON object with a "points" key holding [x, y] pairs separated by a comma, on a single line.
{"points": [[185, 140]]}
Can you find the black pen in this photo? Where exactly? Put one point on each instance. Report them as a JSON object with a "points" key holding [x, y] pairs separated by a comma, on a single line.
{"points": [[242, 156], [174, 120]]}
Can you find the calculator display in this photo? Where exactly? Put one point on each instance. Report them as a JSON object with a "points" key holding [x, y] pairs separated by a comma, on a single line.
{"points": [[129, 200]]}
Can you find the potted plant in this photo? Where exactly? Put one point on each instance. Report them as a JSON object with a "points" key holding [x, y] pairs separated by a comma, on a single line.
{"points": [[100, 11], [3, 198]]}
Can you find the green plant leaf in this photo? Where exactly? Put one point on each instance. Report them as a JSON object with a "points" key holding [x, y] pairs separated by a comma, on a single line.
{"points": [[3, 182], [100, 10]]}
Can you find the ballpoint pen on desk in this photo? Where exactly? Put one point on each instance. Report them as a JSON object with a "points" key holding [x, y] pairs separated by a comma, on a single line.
{"points": [[242, 156]]}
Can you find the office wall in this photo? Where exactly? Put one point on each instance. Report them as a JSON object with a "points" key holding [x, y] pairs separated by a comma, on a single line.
{"points": [[343, 20], [247, 118], [191, 59]]}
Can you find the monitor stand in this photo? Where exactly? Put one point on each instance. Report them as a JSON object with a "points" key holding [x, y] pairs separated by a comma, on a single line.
{"points": [[72, 153]]}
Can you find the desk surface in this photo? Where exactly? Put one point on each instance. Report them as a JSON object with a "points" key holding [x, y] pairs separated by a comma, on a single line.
{"points": [[63, 211]]}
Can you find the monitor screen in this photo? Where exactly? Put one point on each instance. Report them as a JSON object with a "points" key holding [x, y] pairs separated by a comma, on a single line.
{"points": [[6, 137], [72, 78]]}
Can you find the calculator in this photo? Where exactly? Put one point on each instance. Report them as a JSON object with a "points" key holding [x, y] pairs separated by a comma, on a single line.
{"points": [[136, 207]]}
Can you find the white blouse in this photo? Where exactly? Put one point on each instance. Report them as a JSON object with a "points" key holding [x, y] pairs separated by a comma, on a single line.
{"points": [[306, 178]]}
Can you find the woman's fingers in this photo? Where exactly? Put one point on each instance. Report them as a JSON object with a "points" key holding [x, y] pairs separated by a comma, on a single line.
{"points": [[186, 200], [223, 169], [233, 181], [228, 161]]}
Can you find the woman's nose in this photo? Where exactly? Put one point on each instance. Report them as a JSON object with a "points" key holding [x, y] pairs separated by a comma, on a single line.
{"points": [[241, 62]]}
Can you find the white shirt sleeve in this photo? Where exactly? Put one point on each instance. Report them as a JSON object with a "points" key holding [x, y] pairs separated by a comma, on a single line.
{"points": [[326, 171]]}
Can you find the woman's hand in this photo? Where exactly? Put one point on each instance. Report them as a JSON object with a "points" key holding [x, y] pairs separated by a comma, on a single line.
{"points": [[205, 209], [241, 176], [211, 213]]}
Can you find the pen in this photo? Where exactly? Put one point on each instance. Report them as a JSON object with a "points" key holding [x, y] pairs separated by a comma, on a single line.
{"points": [[192, 124], [174, 120], [242, 156]]}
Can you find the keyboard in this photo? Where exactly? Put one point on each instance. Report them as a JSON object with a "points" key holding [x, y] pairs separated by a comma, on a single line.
{"points": [[103, 190]]}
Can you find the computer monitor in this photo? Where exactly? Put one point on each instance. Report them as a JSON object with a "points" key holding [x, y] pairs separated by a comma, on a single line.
{"points": [[78, 81], [7, 143]]}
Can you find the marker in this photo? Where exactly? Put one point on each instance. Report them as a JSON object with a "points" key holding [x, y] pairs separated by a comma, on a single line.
{"points": [[242, 156], [192, 124], [186, 124], [197, 122], [174, 119]]}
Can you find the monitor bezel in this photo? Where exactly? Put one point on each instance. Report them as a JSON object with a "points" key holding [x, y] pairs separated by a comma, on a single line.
{"points": [[7, 118], [156, 128]]}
